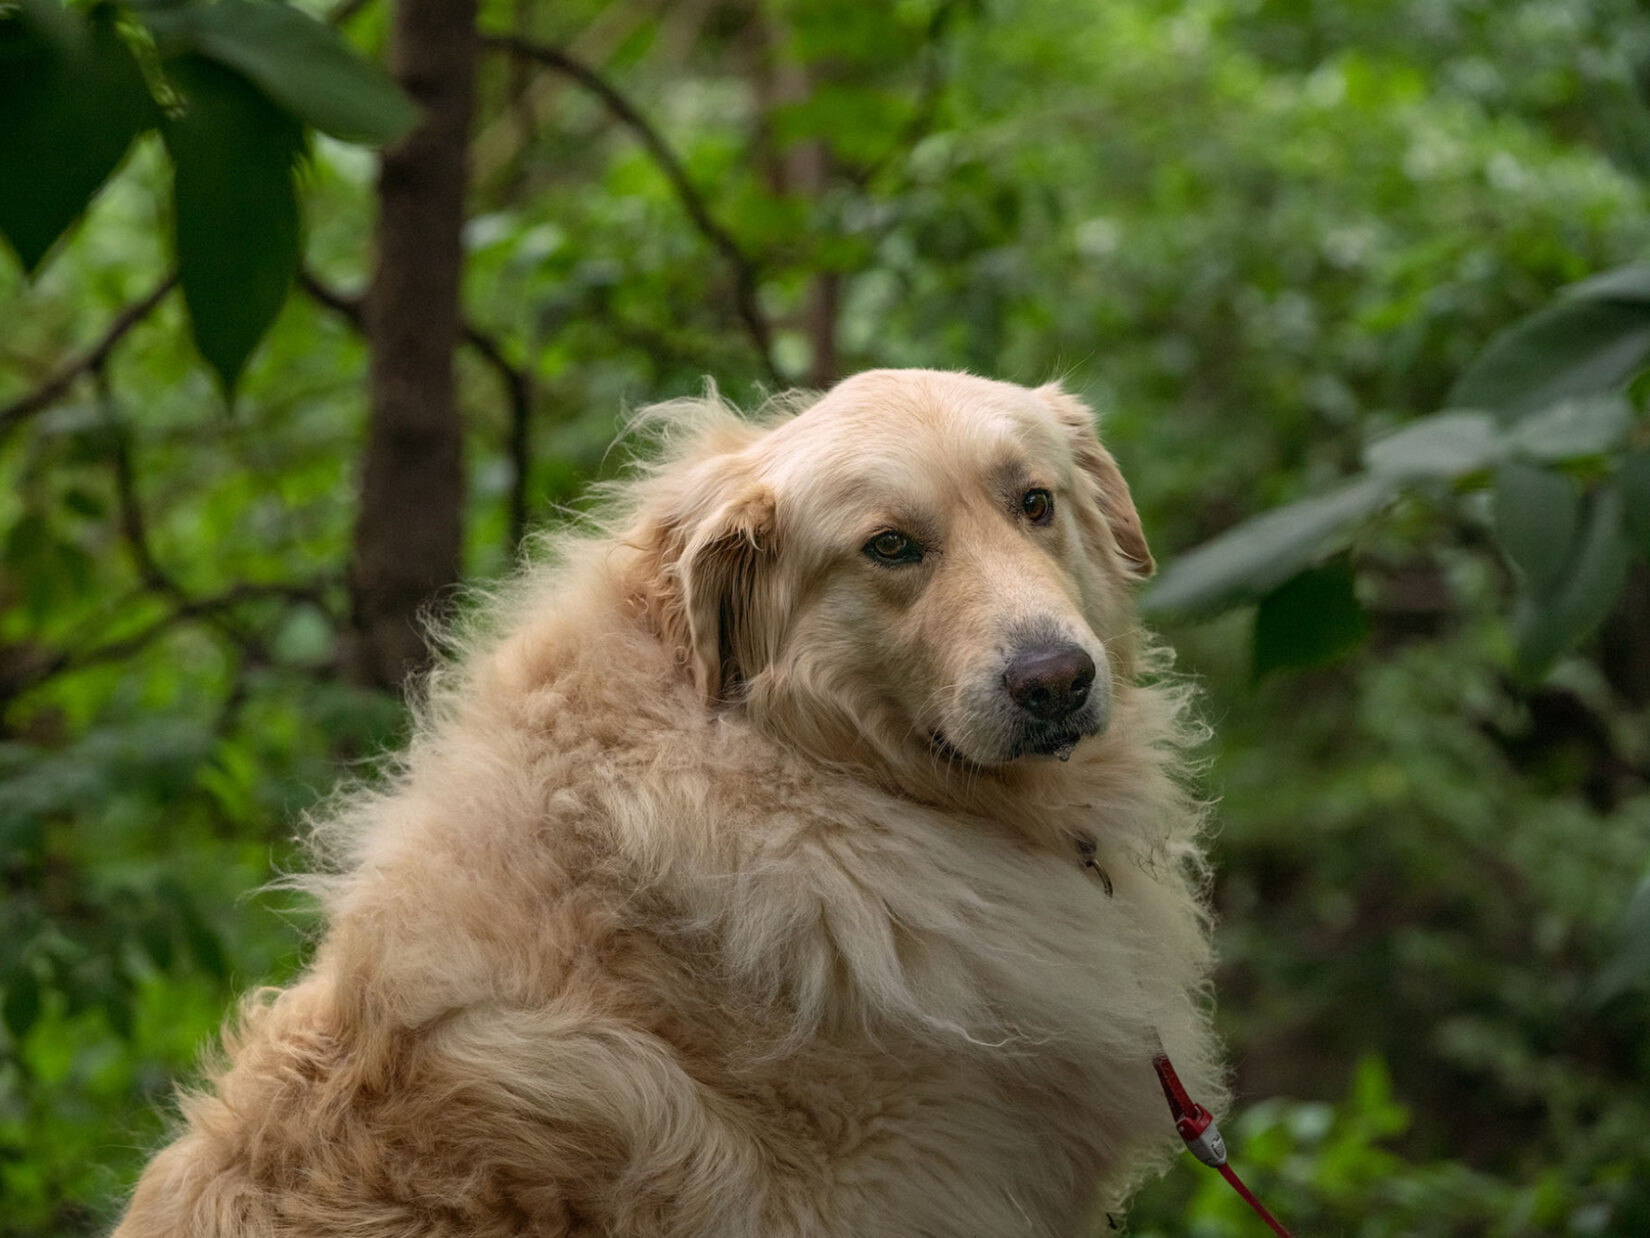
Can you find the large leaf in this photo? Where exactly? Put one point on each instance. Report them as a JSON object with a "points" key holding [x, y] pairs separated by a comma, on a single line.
{"points": [[235, 209], [1537, 513], [1635, 493], [1445, 445], [20, 1006], [1628, 969], [1581, 346], [303, 65], [1310, 620], [72, 98], [1260, 554], [1628, 283], [1571, 429], [1548, 624]]}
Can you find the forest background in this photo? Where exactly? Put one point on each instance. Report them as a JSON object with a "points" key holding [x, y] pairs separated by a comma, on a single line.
{"points": [[269, 398]]}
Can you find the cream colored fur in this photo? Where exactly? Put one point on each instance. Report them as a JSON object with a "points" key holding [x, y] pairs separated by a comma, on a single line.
{"points": [[708, 899]]}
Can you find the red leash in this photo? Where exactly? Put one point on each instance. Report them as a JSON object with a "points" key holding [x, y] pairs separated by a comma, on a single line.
{"points": [[1197, 1127]]}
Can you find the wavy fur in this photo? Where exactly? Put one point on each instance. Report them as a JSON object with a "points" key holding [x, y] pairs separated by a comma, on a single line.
{"points": [[673, 919]]}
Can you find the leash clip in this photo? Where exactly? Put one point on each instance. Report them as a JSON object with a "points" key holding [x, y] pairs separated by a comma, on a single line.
{"points": [[1196, 1128]]}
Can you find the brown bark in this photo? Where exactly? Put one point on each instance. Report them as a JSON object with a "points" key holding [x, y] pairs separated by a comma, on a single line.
{"points": [[804, 168], [409, 534]]}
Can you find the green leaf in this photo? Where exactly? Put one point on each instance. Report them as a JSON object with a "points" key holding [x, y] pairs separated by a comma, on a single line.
{"points": [[204, 942], [1634, 480], [154, 932], [1573, 429], [1628, 969], [1545, 626], [1537, 513], [1445, 445], [1248, 561], [1628, 283], [301, 64], [235, 209], [21, 1006], [1310, 620], [1580, 346], [73, 98]]}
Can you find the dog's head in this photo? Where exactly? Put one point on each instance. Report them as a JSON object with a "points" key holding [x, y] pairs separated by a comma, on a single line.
{"points": [[918, 563]]}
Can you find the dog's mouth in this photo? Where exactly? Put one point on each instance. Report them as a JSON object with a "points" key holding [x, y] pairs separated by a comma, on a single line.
{"points": [[1059, 742]]}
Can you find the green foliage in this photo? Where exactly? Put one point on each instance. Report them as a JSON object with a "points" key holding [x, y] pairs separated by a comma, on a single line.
{"points": [[305, 70], [235, 209], [1310, 620], [1594, 339], [73, 98], [1552, 384], [238, 83]]}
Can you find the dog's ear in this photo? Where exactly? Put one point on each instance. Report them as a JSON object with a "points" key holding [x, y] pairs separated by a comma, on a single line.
{"points": [[721, 570], [1111, 492], [704, 558]]}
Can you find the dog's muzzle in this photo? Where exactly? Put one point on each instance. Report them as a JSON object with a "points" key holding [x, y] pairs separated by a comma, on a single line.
{"points": [[1056, 700]]}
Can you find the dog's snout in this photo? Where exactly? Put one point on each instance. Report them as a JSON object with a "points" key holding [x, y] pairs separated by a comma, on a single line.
{"points": [[1051, 683]]}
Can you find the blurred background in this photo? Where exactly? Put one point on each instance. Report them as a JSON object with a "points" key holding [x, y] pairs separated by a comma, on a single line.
{"points": [[286, 355]]}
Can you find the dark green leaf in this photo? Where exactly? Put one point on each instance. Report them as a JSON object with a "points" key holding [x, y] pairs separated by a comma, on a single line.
{"points": [[235, 207], [1572, 429], [1445, 445], [1537, 513], [73, 98], [1579, 346], [303, 65], [1256, 556], [1635, 493], [22, 1002], [203, 940], [1628, 283], [1629, 967], [1545, 626], [1310, 620], [154, 931]]}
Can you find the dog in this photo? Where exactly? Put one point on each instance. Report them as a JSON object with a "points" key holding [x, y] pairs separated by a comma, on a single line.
{"points": [[802, 848]]}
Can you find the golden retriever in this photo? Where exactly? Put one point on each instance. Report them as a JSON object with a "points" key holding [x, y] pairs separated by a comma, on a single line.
{"points": [[805, 851]]}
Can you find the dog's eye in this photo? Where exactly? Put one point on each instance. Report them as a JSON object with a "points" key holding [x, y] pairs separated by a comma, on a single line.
{"points": [[1038, 505], [891, 546]]}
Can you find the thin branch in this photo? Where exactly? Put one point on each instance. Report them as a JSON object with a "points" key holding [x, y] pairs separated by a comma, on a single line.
{"points": [[930, 91], [741, 264], [19, 410], [351, 309], [134, 527], [517, 382], [41, 665], [519, 391]]}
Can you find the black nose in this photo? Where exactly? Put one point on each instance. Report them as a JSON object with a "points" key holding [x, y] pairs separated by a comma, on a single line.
{"points": [[1050, 684]]}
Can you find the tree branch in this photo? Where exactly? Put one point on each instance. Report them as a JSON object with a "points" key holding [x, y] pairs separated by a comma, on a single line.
{"points": [[930, 90], [19, 410], [134, 527], [517, 382], [31, 668], [742, 266], [519, 391]]}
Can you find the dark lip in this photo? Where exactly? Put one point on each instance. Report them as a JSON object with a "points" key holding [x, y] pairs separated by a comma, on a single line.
{"points": [[1046, 742], [1052, 742]]}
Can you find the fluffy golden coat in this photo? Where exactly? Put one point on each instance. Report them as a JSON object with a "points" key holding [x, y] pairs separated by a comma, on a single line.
{"points": [[721, 891]]}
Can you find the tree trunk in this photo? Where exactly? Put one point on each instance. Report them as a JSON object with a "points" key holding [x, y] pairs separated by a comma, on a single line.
{"points": [[409, 533]]}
